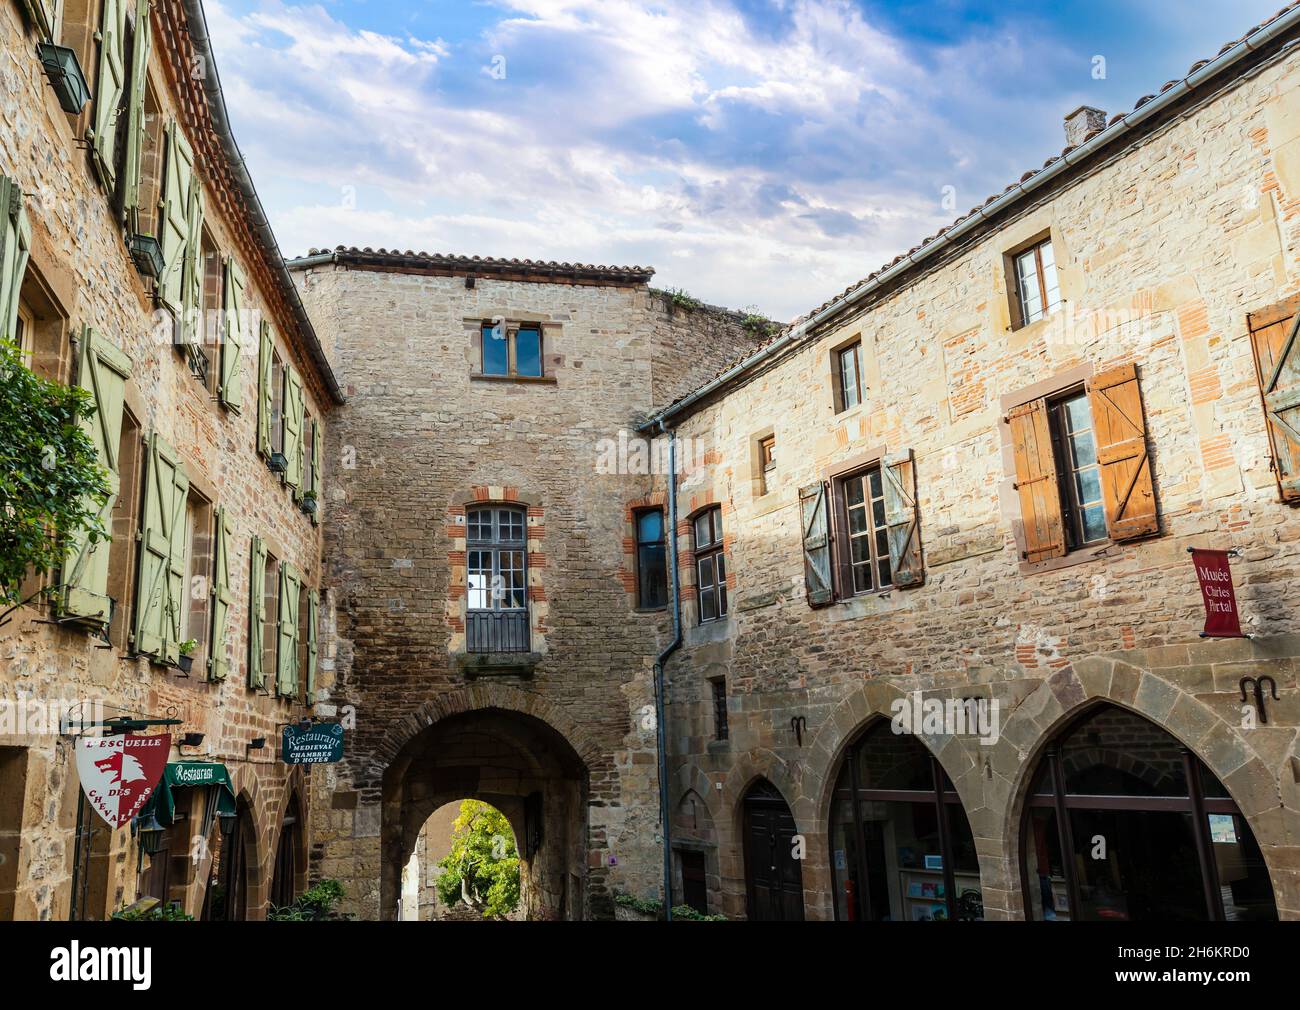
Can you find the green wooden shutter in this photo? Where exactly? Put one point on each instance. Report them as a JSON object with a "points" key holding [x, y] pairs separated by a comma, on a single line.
{"points": [[135, 115], [178, 190], [816, 545], [45, 15], [230, 391], [219, 645], [265, 400], [256, 615], [110, 88], [293, 411], [286, 652], [902, 517], [103, 372], [15, 250], [313, 616], [195, 326], [316, 480], [160, 590]]}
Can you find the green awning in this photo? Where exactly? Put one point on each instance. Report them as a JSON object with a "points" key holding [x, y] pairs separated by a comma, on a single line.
{"points": [[190, 775]]}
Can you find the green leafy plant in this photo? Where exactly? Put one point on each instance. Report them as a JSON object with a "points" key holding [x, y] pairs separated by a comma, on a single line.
{"points": [[161, 912], [683, 299], [482, 868], [187, 647], [655, 907], [316, 904], [755, 323], [52, 486]]}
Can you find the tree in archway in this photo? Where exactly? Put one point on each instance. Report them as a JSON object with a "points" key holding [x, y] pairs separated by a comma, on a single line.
{"points": [[482, 868]]}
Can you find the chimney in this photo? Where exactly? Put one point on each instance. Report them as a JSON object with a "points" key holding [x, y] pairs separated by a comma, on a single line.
{"points": [[1081, 122]]}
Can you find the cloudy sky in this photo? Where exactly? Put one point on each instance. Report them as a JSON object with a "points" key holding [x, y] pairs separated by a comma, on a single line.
{"points": [[761, 153]]}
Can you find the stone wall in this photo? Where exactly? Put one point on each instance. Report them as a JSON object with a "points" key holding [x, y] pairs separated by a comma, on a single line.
{"points": [[1161, 254]]}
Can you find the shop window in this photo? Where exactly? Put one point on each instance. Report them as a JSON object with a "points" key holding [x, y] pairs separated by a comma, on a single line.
{"points": [[651, 560], [1034, 287], [1173, 844], [497, 580], [125, 521], [226, 896], [901, 846], [511, 349], [710, 565], [848, 377], [718, 688]]}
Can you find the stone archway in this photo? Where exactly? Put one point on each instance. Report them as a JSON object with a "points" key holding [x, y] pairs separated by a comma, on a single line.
{"points": [[519, 763]]}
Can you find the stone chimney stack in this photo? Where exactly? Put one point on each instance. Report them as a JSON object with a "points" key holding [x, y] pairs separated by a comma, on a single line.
{"points": [[1081, 122]]}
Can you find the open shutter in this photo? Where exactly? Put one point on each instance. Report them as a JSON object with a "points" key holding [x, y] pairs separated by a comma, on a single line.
{"points": [[286, 653], [1277, 359], [230, 391], [111, 87], [1125, 462], [45, 15], [195, 326], [15, 250], [902, 517], [816, 545], [293, 412], [1040, 497], [177, 591], [103, 371], [219, 647], [256, 614], [134, 160], [158, 581], [265, 401], [316, 480], [313, 616], [178, 191]]}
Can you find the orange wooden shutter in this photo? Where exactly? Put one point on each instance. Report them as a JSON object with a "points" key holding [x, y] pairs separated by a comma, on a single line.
{"points": [[1040, 497], [1277, 359], [1121, 431]]}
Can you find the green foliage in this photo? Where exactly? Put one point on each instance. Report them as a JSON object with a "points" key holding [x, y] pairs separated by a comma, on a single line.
{"points": [[683, 299], [187, 646], [757, 324], [655, 907], [483, 862], [51, 483], [161, 912], [691, 915], [313, 905]]}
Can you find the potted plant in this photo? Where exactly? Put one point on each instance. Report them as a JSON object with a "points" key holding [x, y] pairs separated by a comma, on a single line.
{"points": [[308, 503], [186, 659]]}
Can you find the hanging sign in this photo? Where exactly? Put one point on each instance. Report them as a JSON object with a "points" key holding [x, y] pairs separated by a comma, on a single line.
{"points": [[1215, 576], [320, 743], [119, 773]]}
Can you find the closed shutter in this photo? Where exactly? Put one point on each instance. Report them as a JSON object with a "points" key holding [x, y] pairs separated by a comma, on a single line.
{"points": [[1125, 462], [45, 16], [110, 88], [231, 389], [265, 400], [219, 649], [816, 545], [313, 616], [286, 653], [1277, 359], [160, 589], [103, 372], [902, 517], [135, 115], [178, 189], [1040, 497], [15, 250], [293, 416], [256, 614]]}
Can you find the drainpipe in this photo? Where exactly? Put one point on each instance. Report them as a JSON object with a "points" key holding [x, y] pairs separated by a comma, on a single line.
{"points": [[661, 736]]}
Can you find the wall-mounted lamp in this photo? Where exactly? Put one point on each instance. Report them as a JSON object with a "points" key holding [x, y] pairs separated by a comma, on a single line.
{"points": [[191, 740], [257, 743]]}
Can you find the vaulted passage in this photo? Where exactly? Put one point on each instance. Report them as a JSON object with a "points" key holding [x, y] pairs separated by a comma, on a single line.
{"points": [[522, 767]]}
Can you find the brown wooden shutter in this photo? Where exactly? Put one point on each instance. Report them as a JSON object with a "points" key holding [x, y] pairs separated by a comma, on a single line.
{"points": [[1121, 431], [816, 545], [1277, 360], [903, 519], [1043, 528]]}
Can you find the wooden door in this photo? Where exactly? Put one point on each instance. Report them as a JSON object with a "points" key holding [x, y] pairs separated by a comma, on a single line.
{"points": [[773, 877]]}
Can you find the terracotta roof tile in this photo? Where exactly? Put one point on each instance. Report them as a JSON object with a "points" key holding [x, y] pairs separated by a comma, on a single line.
{"points": [[483, 264]]}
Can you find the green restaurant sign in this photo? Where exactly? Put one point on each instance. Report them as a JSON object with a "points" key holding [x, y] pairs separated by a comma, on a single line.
{"points": [[318, 744]]}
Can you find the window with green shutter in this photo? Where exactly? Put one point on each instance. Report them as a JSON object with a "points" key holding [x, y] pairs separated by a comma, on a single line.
{"points": [[316, 480], [286, 656], [15, 251], [136, 135], [265, 396], [44, 16], [293, 417], [109, 90], [309, 671], [219, 640], [256, 615], [194, 325], [178, 189], [230, 390], [160, 579], [103, 372]]}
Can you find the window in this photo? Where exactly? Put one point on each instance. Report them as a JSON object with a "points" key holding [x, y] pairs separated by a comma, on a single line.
{"points": [[719, 689], [153, 142], [1275, 337], [651, 560], [203, 353], [511, 349], [1076, 450], [198, 573], [277, 403], [271, 615], [121, 558], [496, 580], [710, 565], [866, 531], [767, 463], [848, 371], [308, 453], [1034, 282]]}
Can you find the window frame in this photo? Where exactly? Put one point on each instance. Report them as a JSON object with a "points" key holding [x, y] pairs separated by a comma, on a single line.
{"points": [[640, 545], [512, 331], [200, 560], [842, 404], [495, 544], [766, 463], [718, 696], [1072, 507], [1014, 257], [270, 620], [712, 551], [842, 536]]}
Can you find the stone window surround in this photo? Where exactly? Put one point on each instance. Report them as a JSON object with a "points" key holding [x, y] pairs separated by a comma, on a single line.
{"points": [[629, 573], [550, 331], [686, 563], [834, 475], [831, 362], [761, 494]]}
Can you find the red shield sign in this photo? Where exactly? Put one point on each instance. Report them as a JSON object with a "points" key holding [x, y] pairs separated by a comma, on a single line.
{"points": [[120, 773], [1215, 576]]}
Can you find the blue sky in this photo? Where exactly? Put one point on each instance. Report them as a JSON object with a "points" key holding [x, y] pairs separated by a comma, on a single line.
{"points": [[762, 153]]}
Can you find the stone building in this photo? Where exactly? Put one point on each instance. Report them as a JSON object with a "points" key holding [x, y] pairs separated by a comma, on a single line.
{"points": [[138, 264]]}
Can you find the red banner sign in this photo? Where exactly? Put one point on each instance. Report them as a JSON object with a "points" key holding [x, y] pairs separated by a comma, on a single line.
{"points": [[119, 773], [1215, 576]]}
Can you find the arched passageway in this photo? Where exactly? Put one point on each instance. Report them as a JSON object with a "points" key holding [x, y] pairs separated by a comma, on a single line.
{"points": [[521, 766]]}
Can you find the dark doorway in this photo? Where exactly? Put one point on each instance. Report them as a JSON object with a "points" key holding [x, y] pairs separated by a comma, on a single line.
{"points": [[226, 899], [773, 876], [695, 891], [285, 876]]}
